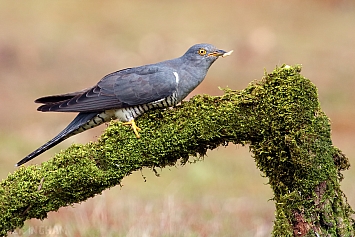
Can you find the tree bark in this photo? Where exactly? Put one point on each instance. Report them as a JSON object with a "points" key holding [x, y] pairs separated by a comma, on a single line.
{"points": [[279, 117]]}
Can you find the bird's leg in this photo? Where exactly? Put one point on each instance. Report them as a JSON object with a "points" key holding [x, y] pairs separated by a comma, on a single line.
{"points": [[134, 127]]}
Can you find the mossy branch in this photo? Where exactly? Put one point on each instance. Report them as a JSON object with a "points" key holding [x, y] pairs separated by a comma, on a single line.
{"points": [[278, 116]]}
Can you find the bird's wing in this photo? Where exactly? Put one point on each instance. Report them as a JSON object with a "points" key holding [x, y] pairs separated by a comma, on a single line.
{"points": [[124, 88], [58, 98], [145, 85]]}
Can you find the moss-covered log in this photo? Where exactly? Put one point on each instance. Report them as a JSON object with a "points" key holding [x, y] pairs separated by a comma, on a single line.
{"points": [[279, 117]]}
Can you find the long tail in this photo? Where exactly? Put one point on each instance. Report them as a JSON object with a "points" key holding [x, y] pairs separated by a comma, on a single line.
{"points": [[81, 122]]}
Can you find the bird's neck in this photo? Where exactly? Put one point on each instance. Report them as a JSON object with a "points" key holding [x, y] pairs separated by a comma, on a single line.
{"points": [[190, 78]]}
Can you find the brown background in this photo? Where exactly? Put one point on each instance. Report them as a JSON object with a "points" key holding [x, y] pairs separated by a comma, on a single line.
{"points": [[49, 47]]}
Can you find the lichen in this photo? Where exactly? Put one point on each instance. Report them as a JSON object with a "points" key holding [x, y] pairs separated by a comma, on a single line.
{"points": [[279, 117]]}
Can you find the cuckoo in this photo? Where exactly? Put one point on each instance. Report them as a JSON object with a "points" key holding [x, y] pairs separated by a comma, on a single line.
{"points": [[126, 94]]}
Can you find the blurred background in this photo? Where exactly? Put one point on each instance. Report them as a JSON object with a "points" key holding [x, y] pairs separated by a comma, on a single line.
{"points": [[52, 47]]}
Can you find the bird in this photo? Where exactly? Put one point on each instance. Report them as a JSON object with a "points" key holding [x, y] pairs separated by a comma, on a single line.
{"points": [[128, 93]]}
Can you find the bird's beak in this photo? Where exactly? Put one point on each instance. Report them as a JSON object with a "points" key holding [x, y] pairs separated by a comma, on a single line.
{"points": [[221, 53]]}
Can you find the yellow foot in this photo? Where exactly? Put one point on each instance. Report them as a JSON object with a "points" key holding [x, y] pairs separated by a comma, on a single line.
{"points": [[134, 127]]}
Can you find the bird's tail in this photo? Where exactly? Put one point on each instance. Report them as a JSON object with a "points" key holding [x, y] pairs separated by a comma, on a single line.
{"points": [[81, 122]]}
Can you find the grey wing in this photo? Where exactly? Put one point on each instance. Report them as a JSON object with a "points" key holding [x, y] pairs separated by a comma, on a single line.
{"points": [[147, 85], [57, 98], [128, 87]]}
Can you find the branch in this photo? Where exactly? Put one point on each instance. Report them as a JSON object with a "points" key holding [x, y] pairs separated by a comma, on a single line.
{"points": [[278, 116]]}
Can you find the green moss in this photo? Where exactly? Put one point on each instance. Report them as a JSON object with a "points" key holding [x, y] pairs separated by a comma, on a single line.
{"points": [[278, 116]]}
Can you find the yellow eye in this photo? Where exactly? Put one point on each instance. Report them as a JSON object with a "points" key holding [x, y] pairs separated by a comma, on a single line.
{"points": [[202, 52]]}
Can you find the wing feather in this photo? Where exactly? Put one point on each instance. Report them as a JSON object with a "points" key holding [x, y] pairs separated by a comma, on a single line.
{"points": [[128, 87], [57, 98]]}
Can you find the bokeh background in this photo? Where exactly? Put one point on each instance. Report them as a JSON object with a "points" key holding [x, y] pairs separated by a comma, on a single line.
{"points": [[50, 47]]}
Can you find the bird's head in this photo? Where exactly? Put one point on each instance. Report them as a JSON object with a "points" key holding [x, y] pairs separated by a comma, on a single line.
{"points": [[203, 55]]}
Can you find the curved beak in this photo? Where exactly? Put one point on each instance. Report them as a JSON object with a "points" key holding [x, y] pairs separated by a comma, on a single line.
{"points": [[221, 53]]}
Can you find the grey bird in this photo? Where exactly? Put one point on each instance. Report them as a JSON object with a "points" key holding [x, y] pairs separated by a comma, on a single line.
{"points": [[128, 93]]}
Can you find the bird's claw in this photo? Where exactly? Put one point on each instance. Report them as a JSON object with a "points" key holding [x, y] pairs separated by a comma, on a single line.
{"points": [[134, 127]]}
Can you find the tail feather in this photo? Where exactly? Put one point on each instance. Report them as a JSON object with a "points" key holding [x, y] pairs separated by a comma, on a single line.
{"points": [[71, 129]]}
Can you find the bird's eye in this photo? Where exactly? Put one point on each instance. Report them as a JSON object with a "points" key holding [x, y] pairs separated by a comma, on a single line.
{"points": [[202, 52]]}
